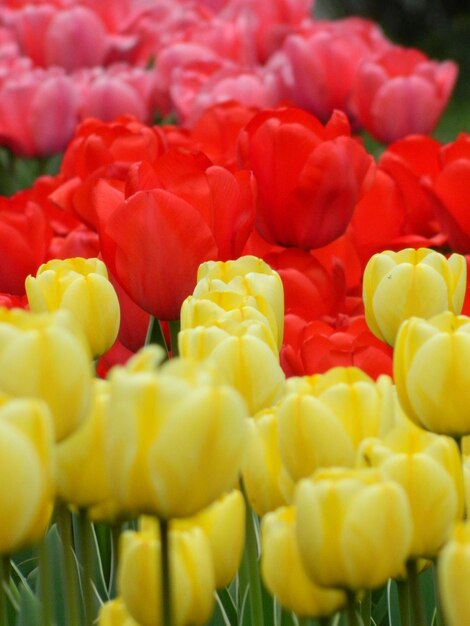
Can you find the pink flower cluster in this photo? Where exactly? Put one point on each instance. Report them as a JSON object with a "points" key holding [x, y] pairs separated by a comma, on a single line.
{"points": [[62, 61]]}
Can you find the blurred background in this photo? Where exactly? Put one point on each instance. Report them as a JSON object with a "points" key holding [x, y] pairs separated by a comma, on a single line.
{"points": [[441, 28]]}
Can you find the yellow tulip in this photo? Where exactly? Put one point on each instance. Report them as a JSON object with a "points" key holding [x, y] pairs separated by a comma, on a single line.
{"points": [[428, 468], [223, 523], [82, 474], [192, 582], [432, 373], [283, 571], [114, 613], [33, 419], [176, 438], [453, 576], [247, 275], [41, 356], [354, 529], [266, 481], [400, 285], [80, 286], [323, 420]]}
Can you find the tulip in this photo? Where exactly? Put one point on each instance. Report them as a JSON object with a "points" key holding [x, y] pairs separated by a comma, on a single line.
{"points": [[82, 479], [428, 468], [223, 523], [431, 373], [323, 419], [399, 285], [44, 355], [284, 573], [114, 613], [176, 438], [247, 276], [309, 176], [453, 573], [266, 481], [401, 92], [82, 287], [354, 529], [243, 358], [191, 576], [33, 418]]}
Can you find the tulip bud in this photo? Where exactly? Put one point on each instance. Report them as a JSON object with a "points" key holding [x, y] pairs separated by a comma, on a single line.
{"points": [[324, 419], [177, 438], [421, 283], [191, 577], [114, 613], [283, 571], [266, 481], [247, 275], [354, 529], [82, 287], [223, 523], [428, 468], [453, 575], [42, 356], [431, 372]]}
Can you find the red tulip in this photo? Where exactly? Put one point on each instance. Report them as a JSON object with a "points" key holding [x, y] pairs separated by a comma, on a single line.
{"points": [[309, 176]]}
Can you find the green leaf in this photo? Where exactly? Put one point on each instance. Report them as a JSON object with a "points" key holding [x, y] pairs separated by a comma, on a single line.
{"points": [[29, 613]]}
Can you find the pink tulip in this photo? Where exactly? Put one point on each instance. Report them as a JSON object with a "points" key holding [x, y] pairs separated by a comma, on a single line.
{"points": [[401, 92]]}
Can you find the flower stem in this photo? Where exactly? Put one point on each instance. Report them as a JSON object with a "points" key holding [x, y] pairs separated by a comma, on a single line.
{"points": [[404, 602], [64, 524], [415, 594], [4, 582], [366, 609], [352, 618], [155, 334], [87, 564], [46, 582], [115, 537], [174, 330], [164, 566], [251, 553]]}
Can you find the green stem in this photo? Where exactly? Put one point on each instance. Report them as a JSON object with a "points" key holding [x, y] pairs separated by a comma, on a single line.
{"points": [[116, 530], [366, 609], [86, 541], [324, 621], [155, 334], [415, 594], [46, 582], [404, 602], [4, 582], [352, 619], [164, 567], [440, 621], [174, 330], [251, 552], [64, 524]]}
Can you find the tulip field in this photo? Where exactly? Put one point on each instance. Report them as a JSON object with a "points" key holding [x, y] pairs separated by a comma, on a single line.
{"points": [[234, 338]]}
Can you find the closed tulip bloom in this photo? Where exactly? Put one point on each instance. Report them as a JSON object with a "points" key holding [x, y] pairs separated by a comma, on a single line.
{"points": [[191, 577], [176, 438], [453, 575], [44, 356], [266, 481], [247, 275], [22, 477], [223, 523], [114, 613], [284, 573], [326, 416], [421, 283], [81, 286], [428, 468], [354, 529], [431, 372], [82, 478]]}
